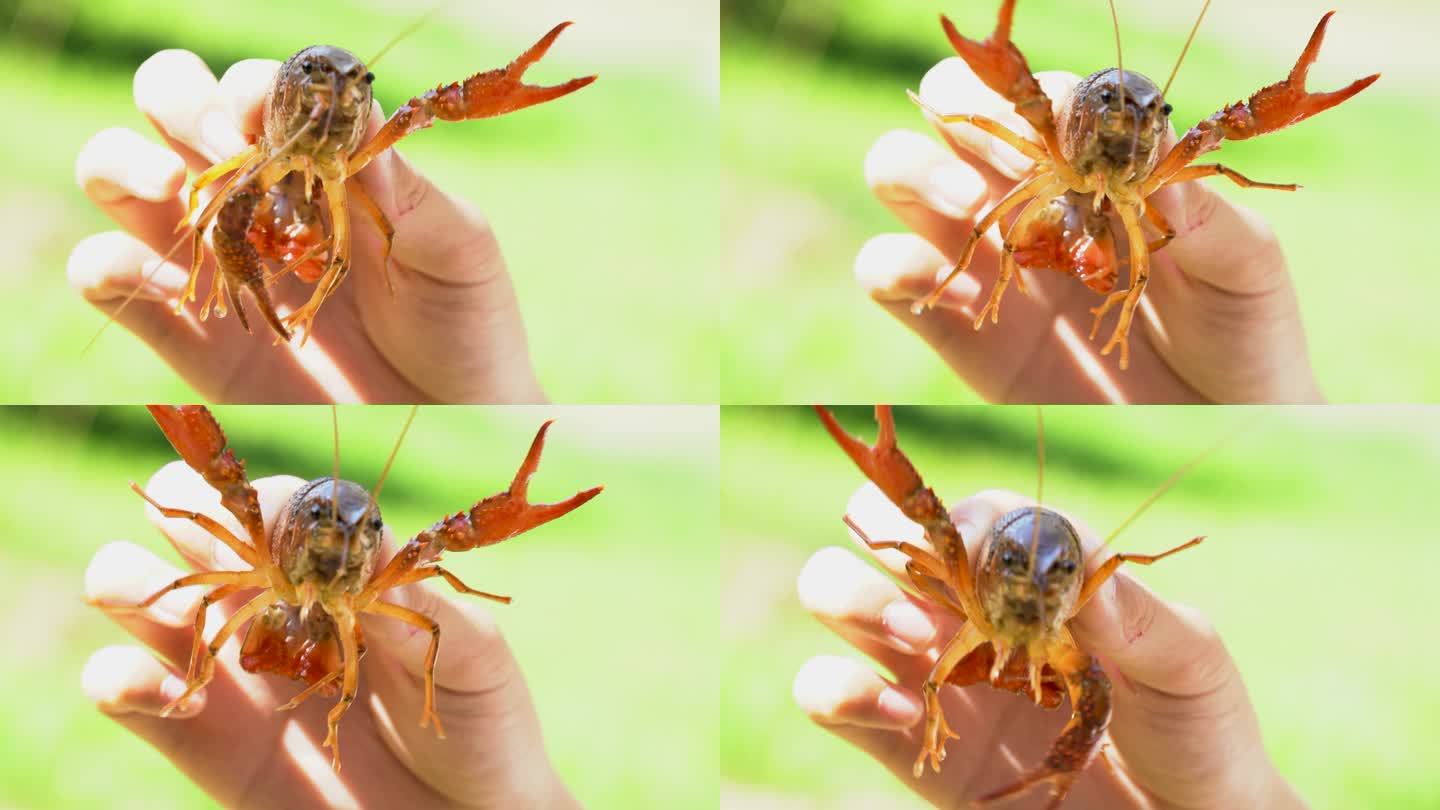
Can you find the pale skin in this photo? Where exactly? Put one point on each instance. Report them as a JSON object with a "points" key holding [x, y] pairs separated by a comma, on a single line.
{"points": [[232, 742], [1183, 732], [452, 332], [1220, 321]]}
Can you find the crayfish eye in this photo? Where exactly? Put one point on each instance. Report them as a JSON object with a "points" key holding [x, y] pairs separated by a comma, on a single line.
{"points": [[369, 78], [1106, 96], [1065, 566], [375, 524], [307, 66], [316, 510], [1007, 558], [1167, 109]]}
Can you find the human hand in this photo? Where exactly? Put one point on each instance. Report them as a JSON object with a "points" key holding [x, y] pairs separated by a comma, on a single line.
{"points": [[1220, 319], [1182, 732], [452, 332], [232, 742]]}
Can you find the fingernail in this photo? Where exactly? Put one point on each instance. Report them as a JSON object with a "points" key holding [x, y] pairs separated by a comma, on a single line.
{"points": [[904, 709], [954, 190], [908, 623], [152, 174], [219, 133]]}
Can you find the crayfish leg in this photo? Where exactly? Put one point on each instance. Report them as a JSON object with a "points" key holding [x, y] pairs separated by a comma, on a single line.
{"points": [[212, 174], [1008, 267], [304, 317], [204, 665], [420, 620], [1139, 277], [1023, 192], [937, 731], [350, 649], [382, 222], [1089, 690], [1107, 569]]}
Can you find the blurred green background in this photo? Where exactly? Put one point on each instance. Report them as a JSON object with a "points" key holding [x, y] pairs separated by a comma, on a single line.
{"points": [[605, 204], [633, 569], [809, 86], [1319, 559]]}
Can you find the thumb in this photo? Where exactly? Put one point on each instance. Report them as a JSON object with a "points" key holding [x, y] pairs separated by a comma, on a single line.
{"points": [[1182, 719], [439, 236], [1225, 245]]}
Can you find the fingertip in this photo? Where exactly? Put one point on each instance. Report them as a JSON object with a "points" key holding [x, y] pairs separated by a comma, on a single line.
{"points": [[122, 680], [242, 92], [904, 167], [1222, 243], [1171, 648], [832, 690], [274, 492], [835, 585], [172, 83], [119, 163], [110, 265], [903, 267]]}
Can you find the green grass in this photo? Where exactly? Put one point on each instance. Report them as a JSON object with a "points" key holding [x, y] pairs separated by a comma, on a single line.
{"points": [[604, 204], [805, 100], [614, 605], [1315, 571]]}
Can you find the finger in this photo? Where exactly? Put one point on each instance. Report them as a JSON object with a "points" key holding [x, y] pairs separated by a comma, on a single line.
{"points": [[934, 193], [1174, 681], [178, 487], [211, 737], [127, 680], [445, 238], [241, 93], [119, 163], [124, 574], [1166, 648], [107, 267], [125, 280], [863, 605], [136, 184], [900, 268], [1220, 243], [952, 87], [836, 691], [179, 94]]}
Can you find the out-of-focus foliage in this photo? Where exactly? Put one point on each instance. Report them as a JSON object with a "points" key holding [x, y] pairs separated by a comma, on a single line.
{"points": [[1319, 558], [604, 203], [614, 612], [809, 86]]}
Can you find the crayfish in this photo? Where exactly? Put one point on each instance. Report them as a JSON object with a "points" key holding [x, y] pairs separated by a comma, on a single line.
{"points": [[319, 570], [1100, 152]]}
